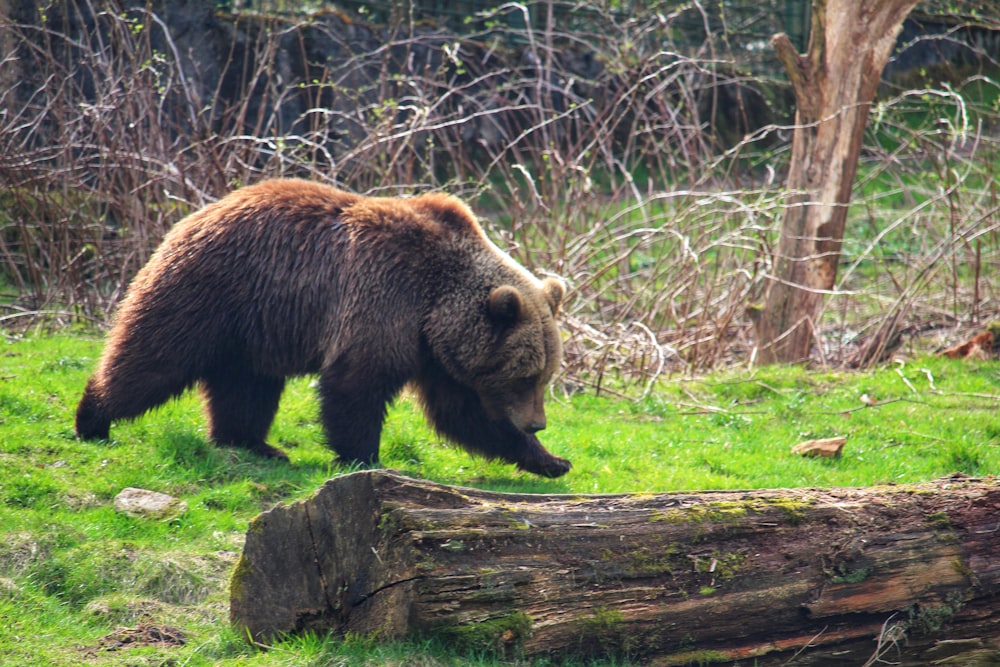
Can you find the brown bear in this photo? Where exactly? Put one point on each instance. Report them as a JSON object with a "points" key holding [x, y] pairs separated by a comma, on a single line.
{"points": [[290, 277]]}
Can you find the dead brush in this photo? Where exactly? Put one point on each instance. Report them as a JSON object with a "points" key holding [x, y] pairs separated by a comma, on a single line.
{"points": [[648, 178]]}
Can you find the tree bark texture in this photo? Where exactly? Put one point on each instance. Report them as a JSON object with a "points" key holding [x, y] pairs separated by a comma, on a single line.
{"points": [[834, 83], [799, 577]]}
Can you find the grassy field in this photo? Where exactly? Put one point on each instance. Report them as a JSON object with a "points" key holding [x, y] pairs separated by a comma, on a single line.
{"points": [[82, 584]]}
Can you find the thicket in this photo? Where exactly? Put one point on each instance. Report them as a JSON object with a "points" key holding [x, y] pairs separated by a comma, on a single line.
{"points": [[611, 149]]}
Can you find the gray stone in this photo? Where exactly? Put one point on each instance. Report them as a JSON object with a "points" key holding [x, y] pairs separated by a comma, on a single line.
{"points": [[149, 504]]}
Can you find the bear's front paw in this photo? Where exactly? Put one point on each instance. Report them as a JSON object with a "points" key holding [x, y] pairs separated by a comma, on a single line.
{"points": [[552, 466]]}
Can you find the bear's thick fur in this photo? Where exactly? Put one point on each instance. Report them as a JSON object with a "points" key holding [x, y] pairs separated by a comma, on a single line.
{"points": [[289, 277]]}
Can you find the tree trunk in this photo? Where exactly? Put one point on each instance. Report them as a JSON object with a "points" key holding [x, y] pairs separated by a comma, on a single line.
{"points": [[831, 577], [835, 82]]}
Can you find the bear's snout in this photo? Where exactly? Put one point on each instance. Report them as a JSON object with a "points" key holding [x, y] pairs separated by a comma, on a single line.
{"points": [[535, 425], [528, 414], [536, 420]]}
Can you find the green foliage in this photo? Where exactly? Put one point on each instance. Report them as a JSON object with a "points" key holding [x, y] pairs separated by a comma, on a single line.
{"points": [[72, 570], [603, 633], [505, 635]]}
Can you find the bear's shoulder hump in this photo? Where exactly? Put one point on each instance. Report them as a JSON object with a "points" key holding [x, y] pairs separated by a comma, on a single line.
{"points": [[298, 190]]}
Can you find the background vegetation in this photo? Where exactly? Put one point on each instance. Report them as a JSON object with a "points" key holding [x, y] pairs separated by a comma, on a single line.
{"points": [[638, 154]]}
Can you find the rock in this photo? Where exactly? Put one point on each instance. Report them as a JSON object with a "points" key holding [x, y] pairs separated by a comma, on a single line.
{"points": [[9, 587], [822, 447], [149, 504]]}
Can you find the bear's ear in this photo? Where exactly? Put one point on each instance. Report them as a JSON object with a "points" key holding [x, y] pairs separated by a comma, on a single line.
{"points": [[449, 212], [554, 291], [505, 304]]}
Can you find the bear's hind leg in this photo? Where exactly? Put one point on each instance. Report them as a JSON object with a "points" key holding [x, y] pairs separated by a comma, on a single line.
{"points": [[92, 421], [126, 393], [241, 408]]}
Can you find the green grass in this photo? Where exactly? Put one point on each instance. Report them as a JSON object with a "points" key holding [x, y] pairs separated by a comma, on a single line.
{"points": [[73, 571]]}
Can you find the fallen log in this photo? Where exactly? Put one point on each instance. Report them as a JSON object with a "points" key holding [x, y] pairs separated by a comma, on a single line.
{"points": [[907, 574]]}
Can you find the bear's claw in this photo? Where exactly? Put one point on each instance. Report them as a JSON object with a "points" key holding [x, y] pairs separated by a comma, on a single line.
{"points": [[551, 467]]}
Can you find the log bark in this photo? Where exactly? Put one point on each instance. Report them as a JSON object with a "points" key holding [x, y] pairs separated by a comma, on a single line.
{"points": [[831, 577], [835, 82]]}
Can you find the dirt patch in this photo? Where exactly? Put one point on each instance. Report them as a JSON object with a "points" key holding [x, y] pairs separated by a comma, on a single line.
{"points": [[144, 634]]}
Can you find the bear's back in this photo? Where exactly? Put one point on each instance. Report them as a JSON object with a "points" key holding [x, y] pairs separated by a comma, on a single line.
{"points": [[288, 270]]}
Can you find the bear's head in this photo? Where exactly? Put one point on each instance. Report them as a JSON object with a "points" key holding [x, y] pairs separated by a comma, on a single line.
{"points": [[506, 350], [529, 352]]}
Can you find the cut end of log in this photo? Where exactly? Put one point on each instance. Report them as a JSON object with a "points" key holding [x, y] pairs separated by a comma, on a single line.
{"points": [[311, 564]]}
